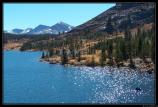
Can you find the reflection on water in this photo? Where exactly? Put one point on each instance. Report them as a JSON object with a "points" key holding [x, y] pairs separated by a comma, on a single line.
{"points": [[117, 85], [26, 80]]}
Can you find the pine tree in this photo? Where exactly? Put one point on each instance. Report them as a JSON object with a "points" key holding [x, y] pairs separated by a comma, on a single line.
{"points": [[134, 44], [64, 57], [102, 57], [139, 47], [153, 47], [73, 53], [123, 50], [139, 32], [118, 53], [43, 56], [128, 38], [79, 56], [131, 65], [110, 49], [89, 49], [47, 55], [93, 61], [51, 52]]}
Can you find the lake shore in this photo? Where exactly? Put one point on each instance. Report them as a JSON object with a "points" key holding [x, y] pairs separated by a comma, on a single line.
{"points": [[142, 67], [63, 80], [12, 46]]}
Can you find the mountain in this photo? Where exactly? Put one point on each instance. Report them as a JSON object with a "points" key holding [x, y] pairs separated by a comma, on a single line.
{"points": [[16, 31], [61, 27], [26, 30], [116, 19], [121, 16], [39, 29], [43, 29]]}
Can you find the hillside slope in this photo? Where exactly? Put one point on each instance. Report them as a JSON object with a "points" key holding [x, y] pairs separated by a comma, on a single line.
{"points": [[122, 16]]}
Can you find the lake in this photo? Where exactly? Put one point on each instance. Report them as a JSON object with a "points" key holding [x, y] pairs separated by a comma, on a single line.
{"points": [[26, 80]]}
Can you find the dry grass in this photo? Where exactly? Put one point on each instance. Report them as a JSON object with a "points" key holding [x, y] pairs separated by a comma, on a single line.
{"points": [[12, 45], [89, 58]]}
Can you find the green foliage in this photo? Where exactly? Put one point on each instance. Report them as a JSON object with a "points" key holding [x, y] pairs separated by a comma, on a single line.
{"points": [[43, 55], [110, 48], [73, 54], [64, 57], [132, 65], [152, 50], [47, 55], [26, 46], [142, 45], [51, 52], [120, 49], [79, 56], [102, 58]]}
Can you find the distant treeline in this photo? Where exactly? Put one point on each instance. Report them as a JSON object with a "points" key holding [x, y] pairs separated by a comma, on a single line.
{"points": [[141, 45], [8, 36]]}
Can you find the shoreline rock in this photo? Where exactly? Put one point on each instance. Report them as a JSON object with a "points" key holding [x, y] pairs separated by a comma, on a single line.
{"points": [[150, 70], [142, 67]]}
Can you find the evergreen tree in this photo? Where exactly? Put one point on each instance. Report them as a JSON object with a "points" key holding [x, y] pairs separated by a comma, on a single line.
{"points": [[132, 65], [79, 56], [128, 38], [128, 35], [47, 55], [139, 47], [51, 52], [64, 57], [73, 53], [93, 61], [123, 50], [134, 45], [102, 57], [153, 47], [110, 49], [89, 49], [43, 56], [139, 32], [118, 53]]}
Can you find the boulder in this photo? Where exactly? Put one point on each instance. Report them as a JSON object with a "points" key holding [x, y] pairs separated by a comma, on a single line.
{"points": [[138, 89], [149, 71]]}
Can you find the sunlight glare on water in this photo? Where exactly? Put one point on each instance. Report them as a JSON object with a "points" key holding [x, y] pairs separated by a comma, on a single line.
{"points": [[115, 85], [39, 82]]}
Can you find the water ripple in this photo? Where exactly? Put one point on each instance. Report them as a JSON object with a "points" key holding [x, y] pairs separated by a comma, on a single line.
{"points": [[115, 85]]}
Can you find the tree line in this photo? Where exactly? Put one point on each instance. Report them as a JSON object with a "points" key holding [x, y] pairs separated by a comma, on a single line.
{"points": [[141, 45]]}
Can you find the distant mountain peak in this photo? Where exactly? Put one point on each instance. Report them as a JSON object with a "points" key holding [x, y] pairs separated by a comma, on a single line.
{"points": [[44, 29], [62, 27], [61, 22], [17, 31], [43, 26]]}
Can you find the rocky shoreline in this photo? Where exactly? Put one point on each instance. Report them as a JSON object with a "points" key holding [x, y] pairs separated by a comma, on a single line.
{"points": [[142, 67]]}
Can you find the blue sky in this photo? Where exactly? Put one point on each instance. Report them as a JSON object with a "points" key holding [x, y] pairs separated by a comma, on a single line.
{"points": [[16, 15]]}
